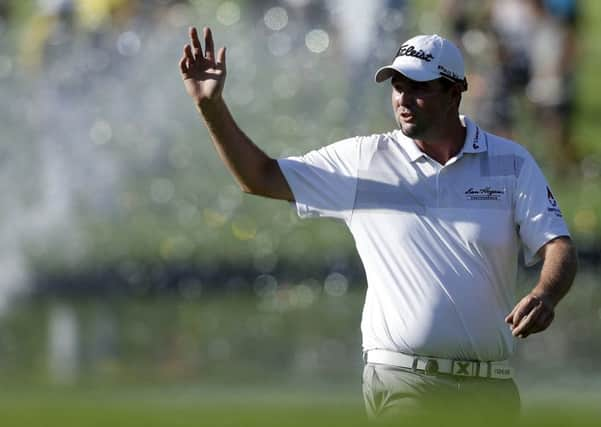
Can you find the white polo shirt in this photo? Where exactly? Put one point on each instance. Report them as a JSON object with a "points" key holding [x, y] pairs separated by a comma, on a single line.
{"points": [[439, 244]]}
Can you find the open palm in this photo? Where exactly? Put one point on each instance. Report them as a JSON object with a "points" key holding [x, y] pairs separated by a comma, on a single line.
{"points": [[203, 75]]}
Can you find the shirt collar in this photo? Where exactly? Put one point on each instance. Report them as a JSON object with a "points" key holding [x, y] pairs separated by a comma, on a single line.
{"points": [[409, 146], [475, 141]]}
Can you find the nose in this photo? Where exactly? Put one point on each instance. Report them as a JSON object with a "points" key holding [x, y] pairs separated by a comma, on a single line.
{"points": [[400, 97]]}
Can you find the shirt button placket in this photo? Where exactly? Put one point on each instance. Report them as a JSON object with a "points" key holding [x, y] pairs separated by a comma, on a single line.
{"points": [[439, 172]]}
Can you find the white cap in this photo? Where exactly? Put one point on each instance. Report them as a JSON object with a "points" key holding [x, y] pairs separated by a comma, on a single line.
{"points": [[426, 57]]}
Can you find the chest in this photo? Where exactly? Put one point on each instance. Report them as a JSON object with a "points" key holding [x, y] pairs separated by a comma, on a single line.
{"points": [[467, 202], [467, 183]]}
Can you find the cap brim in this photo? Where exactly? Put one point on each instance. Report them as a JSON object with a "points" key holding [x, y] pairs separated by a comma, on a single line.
{"points": [[411, 72]]}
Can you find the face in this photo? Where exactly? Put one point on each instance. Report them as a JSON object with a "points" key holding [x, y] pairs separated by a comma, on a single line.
{"points": [[421, 108]]}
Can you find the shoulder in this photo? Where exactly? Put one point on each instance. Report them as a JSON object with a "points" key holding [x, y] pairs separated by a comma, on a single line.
{"points": [[503, 151], [347, 148], [499, 145], [363, 143], [372, 139], [378, 141], [364, 146]]}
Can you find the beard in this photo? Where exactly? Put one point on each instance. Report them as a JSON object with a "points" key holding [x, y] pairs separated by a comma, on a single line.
{"points": [[414, 130], [409, 130]]}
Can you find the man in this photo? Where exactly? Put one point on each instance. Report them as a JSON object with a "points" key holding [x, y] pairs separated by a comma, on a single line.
{"points": [[438, 210]]}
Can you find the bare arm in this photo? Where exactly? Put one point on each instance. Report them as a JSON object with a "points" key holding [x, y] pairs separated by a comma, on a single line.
{"points": [[204, 79], [535, 312]]}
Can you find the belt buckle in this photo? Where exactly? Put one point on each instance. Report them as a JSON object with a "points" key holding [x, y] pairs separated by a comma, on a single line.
{"points": [[464, 368], [428, 365]]}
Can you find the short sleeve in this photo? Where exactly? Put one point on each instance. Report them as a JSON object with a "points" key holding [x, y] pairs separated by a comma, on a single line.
{"points": [[537, 212], [324, 181]]}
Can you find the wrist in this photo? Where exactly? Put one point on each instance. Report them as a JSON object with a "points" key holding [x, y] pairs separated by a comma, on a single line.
{"points": [[209, 105], [545, 297]]}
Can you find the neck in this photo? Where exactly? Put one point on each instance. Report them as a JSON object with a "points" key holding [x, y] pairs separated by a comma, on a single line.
{"points": [[446, 144]]}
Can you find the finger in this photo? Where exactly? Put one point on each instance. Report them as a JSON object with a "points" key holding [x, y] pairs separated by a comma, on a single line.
{"points": [[183, 66], [518, 327], [197, 47], [522, 309], [188, 53], [517, 317], [509, 317], [533, 328], [542, 322], [528, 322], [209, 48], [221, 58]]}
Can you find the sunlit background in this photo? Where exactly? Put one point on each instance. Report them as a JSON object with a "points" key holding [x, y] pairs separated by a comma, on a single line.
{"points": [[129, 259]]}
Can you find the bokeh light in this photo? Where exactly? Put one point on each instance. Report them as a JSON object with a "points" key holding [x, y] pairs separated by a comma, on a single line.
{"points": [[228, 13], [276, 18], [129, 43], [336, 285], [317, 41], [101, 132], [161, 190]]}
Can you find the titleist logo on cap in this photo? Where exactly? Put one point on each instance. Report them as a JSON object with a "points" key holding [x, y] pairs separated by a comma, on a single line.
{"points": [[409, 50]]}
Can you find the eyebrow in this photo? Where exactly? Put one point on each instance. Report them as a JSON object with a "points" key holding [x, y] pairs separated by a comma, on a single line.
{"points": [[408, 81], [399, 77]]}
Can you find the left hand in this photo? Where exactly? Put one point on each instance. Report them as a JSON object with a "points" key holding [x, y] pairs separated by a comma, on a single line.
{"points": [[532, 314]]}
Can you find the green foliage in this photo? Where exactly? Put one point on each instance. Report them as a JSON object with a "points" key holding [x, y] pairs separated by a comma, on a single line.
{"points": [[294, 334]]}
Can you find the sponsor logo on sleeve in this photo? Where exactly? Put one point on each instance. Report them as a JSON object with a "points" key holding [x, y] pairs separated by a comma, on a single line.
{"points": [[553, 207]]}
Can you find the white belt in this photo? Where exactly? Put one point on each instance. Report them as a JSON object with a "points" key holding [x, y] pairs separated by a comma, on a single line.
{"points": [[436, 365]]}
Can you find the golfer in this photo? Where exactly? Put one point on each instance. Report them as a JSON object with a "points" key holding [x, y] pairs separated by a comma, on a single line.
{"points": [[439, 210]]}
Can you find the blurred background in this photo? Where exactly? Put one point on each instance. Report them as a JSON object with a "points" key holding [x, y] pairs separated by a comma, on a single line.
{"points": [[130, 260]]}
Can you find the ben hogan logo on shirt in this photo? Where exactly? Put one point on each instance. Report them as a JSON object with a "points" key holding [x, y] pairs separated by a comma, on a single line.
{"points": [[485, 193]]}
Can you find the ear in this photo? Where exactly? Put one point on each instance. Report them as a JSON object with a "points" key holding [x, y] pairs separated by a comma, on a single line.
{"points": [[455, 92]]}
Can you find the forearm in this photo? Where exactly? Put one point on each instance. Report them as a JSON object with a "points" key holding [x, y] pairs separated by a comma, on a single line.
{"points": [[204, 75], [243, 158], [558, 270], [535, 312]]}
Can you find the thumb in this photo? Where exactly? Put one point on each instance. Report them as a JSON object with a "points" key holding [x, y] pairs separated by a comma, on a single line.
{"points": [[509, 317]]}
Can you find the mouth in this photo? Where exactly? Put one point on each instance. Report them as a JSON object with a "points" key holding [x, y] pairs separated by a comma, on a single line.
{"points": [[406, 116]]}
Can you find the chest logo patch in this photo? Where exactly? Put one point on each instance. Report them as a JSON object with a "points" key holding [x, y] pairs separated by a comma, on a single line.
{"points": [[484, 193]]}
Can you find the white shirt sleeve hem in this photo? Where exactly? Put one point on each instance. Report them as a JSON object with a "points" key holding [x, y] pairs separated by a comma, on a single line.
{"points": [[532, 258]]}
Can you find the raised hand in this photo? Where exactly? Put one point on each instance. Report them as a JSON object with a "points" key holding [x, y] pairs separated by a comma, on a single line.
{"points": [[203, 75]]}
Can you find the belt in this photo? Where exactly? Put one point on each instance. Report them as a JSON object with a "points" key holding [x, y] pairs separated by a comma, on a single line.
{"points": [[437, 365]]}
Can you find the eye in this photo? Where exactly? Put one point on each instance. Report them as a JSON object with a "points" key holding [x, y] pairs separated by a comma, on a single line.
{"points": [[422, 87], [403, 87]]}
